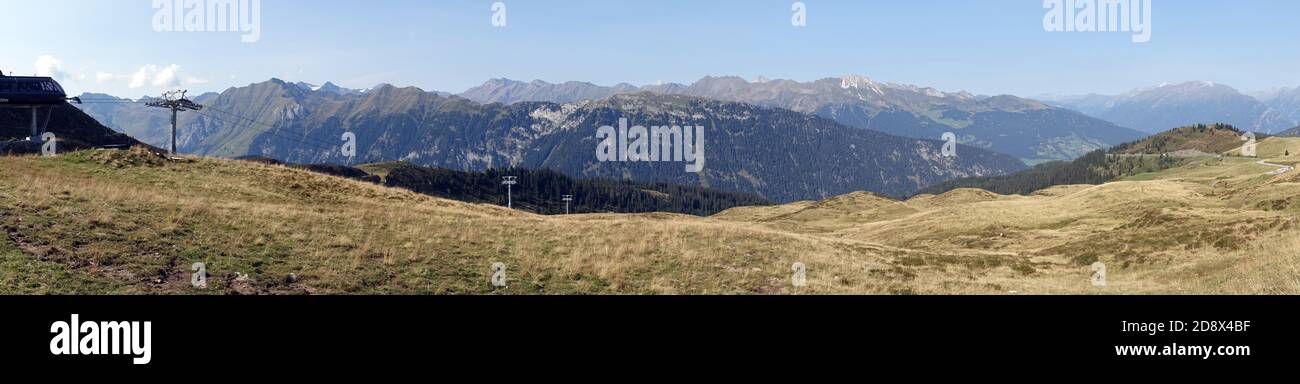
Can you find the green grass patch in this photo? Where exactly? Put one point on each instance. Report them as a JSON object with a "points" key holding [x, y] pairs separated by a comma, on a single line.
{"points": [[23, 275]]}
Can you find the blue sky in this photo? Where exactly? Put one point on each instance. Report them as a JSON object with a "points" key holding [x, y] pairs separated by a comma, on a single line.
{"points": [[982, 46]]}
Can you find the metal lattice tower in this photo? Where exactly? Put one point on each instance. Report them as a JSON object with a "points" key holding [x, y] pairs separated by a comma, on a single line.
{"points": [[567, 199], [509, 182], [175, 101]]}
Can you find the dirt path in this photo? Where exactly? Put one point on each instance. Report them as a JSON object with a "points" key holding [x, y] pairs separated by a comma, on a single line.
{"points": [[1280, 168]]}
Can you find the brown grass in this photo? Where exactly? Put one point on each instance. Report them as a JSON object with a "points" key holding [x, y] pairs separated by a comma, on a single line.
{"points": [[112, 222]]}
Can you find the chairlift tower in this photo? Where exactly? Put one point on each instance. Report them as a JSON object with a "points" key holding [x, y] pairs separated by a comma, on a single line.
{"points": [[176, 102], [509, 182], [567, 199]]}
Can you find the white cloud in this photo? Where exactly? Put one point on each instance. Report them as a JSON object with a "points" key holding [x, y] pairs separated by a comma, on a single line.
{"points": [[156, 76], [167, 77], [50, 66], [195, 80], [141, 76], [104, 77]]}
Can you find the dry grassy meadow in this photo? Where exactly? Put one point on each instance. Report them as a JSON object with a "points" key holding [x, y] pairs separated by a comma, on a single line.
{"points": [[116, 222]]}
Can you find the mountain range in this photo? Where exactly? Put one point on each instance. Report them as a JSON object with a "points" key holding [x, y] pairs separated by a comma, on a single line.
{"points": [[1164, 107], [1284, 100], [779, 154], [1293, 132], [1028, 129]]}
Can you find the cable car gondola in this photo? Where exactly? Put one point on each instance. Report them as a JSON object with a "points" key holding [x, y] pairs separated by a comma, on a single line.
{"points": [[34, 93]]}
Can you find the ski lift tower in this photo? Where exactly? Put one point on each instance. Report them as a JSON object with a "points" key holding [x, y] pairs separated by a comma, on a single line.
{"points": [[509, 182], [176, 102], [567, 199]]}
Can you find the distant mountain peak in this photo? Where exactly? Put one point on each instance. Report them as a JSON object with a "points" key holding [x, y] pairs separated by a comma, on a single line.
{"points": [[722, 78], [1201, 84], [275, 83], [856, 81], [1166, 106], [330, 87], [307, 86], [93, 95]]}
